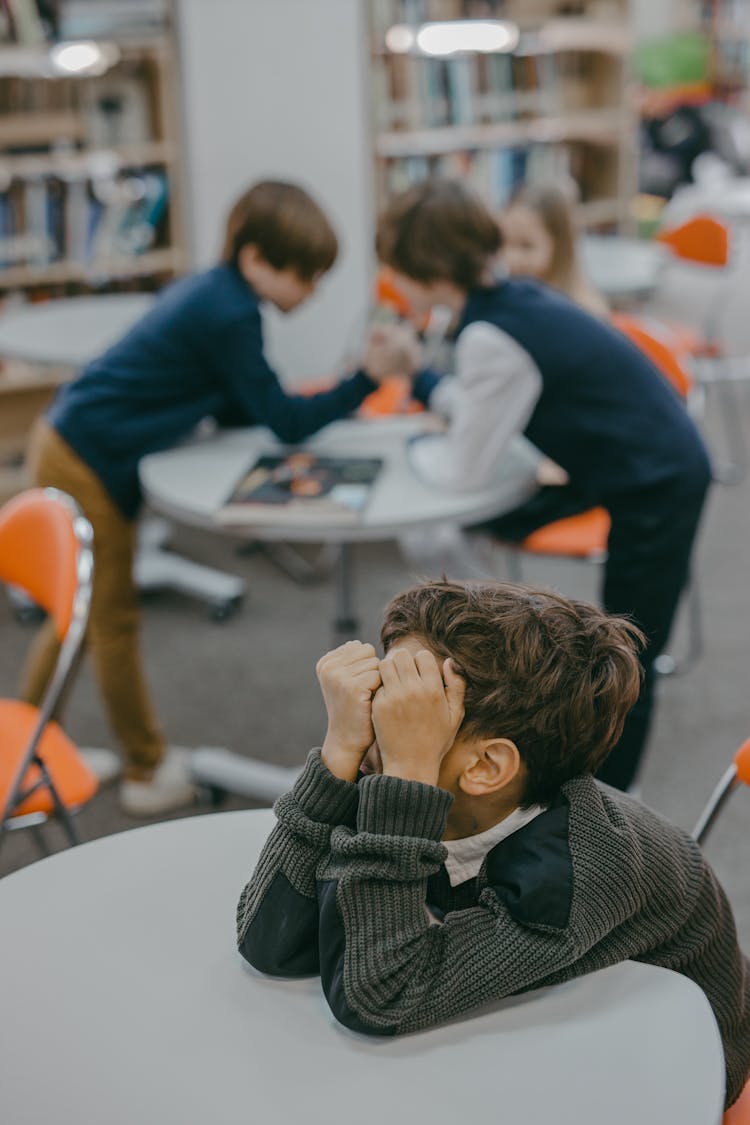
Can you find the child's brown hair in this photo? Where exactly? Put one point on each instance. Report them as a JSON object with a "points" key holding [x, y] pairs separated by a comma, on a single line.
{"points": [[438, 231], [555, 676], [288, 227]]}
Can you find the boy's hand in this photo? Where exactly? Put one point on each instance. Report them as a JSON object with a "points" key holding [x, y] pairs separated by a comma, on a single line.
{"points": [[348, 676], [392, 349], [416, 714]]}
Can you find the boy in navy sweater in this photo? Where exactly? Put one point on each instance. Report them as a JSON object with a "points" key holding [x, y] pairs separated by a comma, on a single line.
{"points": [[197, 353], [530, 361]]}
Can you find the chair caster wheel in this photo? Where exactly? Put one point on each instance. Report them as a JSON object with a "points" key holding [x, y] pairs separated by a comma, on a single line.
{"points": [[222, 611]]}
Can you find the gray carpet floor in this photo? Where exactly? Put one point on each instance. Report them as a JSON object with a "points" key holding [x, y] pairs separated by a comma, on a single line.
{"points": [[249, 683]]}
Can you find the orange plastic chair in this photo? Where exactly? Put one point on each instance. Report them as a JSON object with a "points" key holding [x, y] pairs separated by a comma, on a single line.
{"points": [[585, 536], [45, 549], [388, 295], [702, 239]]}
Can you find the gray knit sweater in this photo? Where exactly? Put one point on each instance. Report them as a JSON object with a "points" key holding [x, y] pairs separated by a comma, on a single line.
{"points": [[342, 884]]}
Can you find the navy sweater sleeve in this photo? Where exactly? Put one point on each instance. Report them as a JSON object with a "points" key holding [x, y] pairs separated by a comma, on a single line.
{"points": [[277, 915], [259, 398]]}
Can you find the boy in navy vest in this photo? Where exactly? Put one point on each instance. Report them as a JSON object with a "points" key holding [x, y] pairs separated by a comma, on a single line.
{"points": [[530, 361]]}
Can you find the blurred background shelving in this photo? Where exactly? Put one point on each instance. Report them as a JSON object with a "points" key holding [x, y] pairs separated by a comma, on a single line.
{"points": [[556, 106], [90, 183]]}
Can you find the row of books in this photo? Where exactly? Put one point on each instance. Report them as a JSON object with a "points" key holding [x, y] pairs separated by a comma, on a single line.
{"points": [[494, 174], [115, 109], [412, 92], [45, 219], [116, 19]]}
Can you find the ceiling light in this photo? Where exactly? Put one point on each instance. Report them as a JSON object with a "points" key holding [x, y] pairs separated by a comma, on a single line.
{"points": [[83, 58]]}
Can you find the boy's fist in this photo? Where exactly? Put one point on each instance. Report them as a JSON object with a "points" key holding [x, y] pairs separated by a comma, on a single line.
{"points": [[392, 349], [348, 676], [416, 714]]}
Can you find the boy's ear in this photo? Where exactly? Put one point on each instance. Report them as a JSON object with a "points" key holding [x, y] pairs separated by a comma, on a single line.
{"points": [[495, 763], [248, 255]]}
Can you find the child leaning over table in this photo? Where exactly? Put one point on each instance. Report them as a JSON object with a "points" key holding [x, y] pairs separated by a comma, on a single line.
{"points": [[449, 846]]}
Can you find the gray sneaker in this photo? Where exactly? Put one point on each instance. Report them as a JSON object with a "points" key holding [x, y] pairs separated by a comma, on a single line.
{"points": [[170, 787]]}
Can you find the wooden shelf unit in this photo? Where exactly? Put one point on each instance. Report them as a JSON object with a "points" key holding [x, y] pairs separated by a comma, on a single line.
{"points": [[726, 24], [90, 199], [89, 173], [557, 107]]}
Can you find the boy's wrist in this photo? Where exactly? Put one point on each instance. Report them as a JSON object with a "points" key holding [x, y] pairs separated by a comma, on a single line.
{"points": [[426, 773], [321, 796], [341, 760], [391, 806]]}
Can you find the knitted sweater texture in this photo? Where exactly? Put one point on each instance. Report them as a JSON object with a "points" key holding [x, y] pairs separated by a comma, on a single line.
{"points": [[342, 886]]}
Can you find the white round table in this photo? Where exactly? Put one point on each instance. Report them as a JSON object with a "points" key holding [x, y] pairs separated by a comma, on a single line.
{"points": [[124, 1001], [190, 483], [624, 270], [70, 331]]}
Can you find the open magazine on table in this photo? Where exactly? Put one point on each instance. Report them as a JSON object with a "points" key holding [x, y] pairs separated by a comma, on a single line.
{"points": [[299, 484]]}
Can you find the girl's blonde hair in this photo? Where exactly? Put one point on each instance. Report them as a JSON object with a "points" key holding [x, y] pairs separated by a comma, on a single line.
{"points": [[554, 207]]}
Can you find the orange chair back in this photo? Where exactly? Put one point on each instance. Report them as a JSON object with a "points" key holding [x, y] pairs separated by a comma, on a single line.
{"points": [[657, 351], [580, 537], [393, 396], [742, 762], [389, 296], [39, 552], [701, 239]]}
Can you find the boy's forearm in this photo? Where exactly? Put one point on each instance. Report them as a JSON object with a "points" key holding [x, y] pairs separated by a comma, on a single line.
{"points": [[277, 914], [386, 966]]}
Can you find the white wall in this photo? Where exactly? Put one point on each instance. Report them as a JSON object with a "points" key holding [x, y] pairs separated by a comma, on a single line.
{"points": [[278, 88], [655, 18]]}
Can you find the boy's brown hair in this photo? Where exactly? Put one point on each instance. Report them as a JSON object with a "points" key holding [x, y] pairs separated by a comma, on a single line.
{"points": [[555, 676], [288, 227], [438, 231]]}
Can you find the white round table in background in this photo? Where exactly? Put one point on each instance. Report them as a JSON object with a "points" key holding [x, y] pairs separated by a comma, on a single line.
{"points": [[191, 482], [72, 330], [125, 1001], [624, 270]]}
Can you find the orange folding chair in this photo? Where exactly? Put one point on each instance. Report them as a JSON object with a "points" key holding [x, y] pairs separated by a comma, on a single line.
{"points": [[45, 549], [585, 536]]}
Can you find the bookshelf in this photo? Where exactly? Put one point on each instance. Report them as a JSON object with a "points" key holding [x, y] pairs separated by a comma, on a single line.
{"points": [[90, 192], [726, 25], [89, 196], [556, 107]]}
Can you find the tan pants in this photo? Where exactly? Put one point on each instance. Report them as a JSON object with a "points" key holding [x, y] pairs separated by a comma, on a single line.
{"points": [[114, 623]]}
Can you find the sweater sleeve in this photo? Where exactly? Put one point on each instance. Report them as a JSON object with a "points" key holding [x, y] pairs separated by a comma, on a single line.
{"points": [[277, 914], [256, 396], [386, 966], [488, 402]]}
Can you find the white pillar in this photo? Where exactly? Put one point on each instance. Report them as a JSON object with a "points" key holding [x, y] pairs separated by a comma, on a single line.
{"points": [[278, 89]]}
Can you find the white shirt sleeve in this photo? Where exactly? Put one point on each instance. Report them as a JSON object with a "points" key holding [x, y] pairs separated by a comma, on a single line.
{"points": [[488, 402]]}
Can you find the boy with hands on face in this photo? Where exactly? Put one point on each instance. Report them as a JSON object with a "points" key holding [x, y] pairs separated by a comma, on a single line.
{"points": [[449, 846]]}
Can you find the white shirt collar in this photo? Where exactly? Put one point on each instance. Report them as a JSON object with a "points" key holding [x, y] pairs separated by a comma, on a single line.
{"points": [[466, 856]]}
